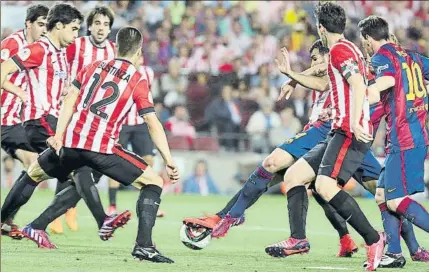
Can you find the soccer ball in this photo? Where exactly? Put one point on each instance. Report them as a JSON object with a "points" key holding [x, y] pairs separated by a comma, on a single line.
{"points": [[195, 238]]}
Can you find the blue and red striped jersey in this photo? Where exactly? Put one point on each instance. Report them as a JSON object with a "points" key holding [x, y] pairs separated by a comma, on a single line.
{"points": [[406, 103]]}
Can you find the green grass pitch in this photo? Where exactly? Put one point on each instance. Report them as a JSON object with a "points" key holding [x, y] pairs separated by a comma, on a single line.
{"points": [[241, 250]]}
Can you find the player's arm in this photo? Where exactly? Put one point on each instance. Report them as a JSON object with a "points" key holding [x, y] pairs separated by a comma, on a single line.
{"points": [[143, 99], [7, 67], [307, 78], [67, 110], [344, 60], [12, 88]]}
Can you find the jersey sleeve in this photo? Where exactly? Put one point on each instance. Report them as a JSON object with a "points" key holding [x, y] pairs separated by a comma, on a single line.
{"points": [[82, 74], [424, 63], [142, 97], [344, 60], [30, 56], [382, 66], [9, 47]]}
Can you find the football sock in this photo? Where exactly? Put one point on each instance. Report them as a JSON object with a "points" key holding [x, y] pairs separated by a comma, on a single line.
{"points": [[20, 193], [147, 207], [87, 190], [336, 220], [12, 216], [297, 205], [348, 208], [234, 199], [407, 232], [63, 201], [391, 224], [252, 189], [414, 212], [112, 196]]}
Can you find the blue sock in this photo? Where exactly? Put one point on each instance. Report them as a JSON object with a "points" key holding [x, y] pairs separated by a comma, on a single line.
{"points": [[255, 184], [407, 232], [414, 212], [391, 224]]}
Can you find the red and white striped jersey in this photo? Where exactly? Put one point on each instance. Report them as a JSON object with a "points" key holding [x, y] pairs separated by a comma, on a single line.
{"points": [[10, 103], [321, 101], [46, 72], [83, 52], [133, 117], [346, 60], [108, 90]]}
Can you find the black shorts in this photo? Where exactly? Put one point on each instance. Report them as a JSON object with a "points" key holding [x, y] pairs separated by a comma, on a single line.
{"points": [[139, 138], [338, 157], [39, 130], [14, 138], [122, 166]]}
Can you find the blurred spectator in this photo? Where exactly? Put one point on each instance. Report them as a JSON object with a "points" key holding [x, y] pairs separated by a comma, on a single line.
{"points": [[200, 182], [178, 124], [224, 114], [260, 125], [174, 84], [8, 168], [162, 112], [300, 104], [153, 14], [198, 97], [290, 126]]}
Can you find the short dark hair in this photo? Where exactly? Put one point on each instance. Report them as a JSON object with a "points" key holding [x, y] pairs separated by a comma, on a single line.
{"points": [[103, 10], [323, 50], [63, 13], [36, 11], [375, 27], [331, 16], [128, 41]]}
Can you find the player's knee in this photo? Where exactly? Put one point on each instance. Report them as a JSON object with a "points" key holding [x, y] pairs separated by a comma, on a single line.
{"points": [[391, 205], [379, 196], [370, 185], [28, 159], [36, 173], [113, 183], [271, 164], [149, 159]]}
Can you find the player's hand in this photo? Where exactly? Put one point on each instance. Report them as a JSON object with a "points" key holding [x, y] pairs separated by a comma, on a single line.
{"points": [[283, 62], [360, 135], [173, 173], [325, 115], [56, 143], [23, 97], [285, 92]]}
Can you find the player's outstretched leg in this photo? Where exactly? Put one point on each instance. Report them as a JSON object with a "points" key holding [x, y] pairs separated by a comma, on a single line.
{"points": [[254, 187], [113, 191], [57, 225], [86, 188], [147, 207], [297, 176], [347, 246]]}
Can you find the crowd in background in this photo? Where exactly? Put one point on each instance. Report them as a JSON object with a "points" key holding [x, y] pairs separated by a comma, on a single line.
{"points": [[214, 61]]}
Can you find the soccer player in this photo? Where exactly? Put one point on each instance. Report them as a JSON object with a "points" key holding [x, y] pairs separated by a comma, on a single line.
{"points": [[82, 52], [400, 74], [45, 68], [285, 155], [335, 160], [135, 132], [94, 110], [13, 138]]}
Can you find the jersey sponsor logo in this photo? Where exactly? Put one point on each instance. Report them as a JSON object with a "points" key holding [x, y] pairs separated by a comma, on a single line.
{"points": [[24, 54], [61, 74], [391, 190], [5, 53], [381, 68]]}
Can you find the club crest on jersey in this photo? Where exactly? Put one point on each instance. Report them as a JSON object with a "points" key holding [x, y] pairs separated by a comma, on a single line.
{"points": [[5, 53], [24, 54], [349, 66]]}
